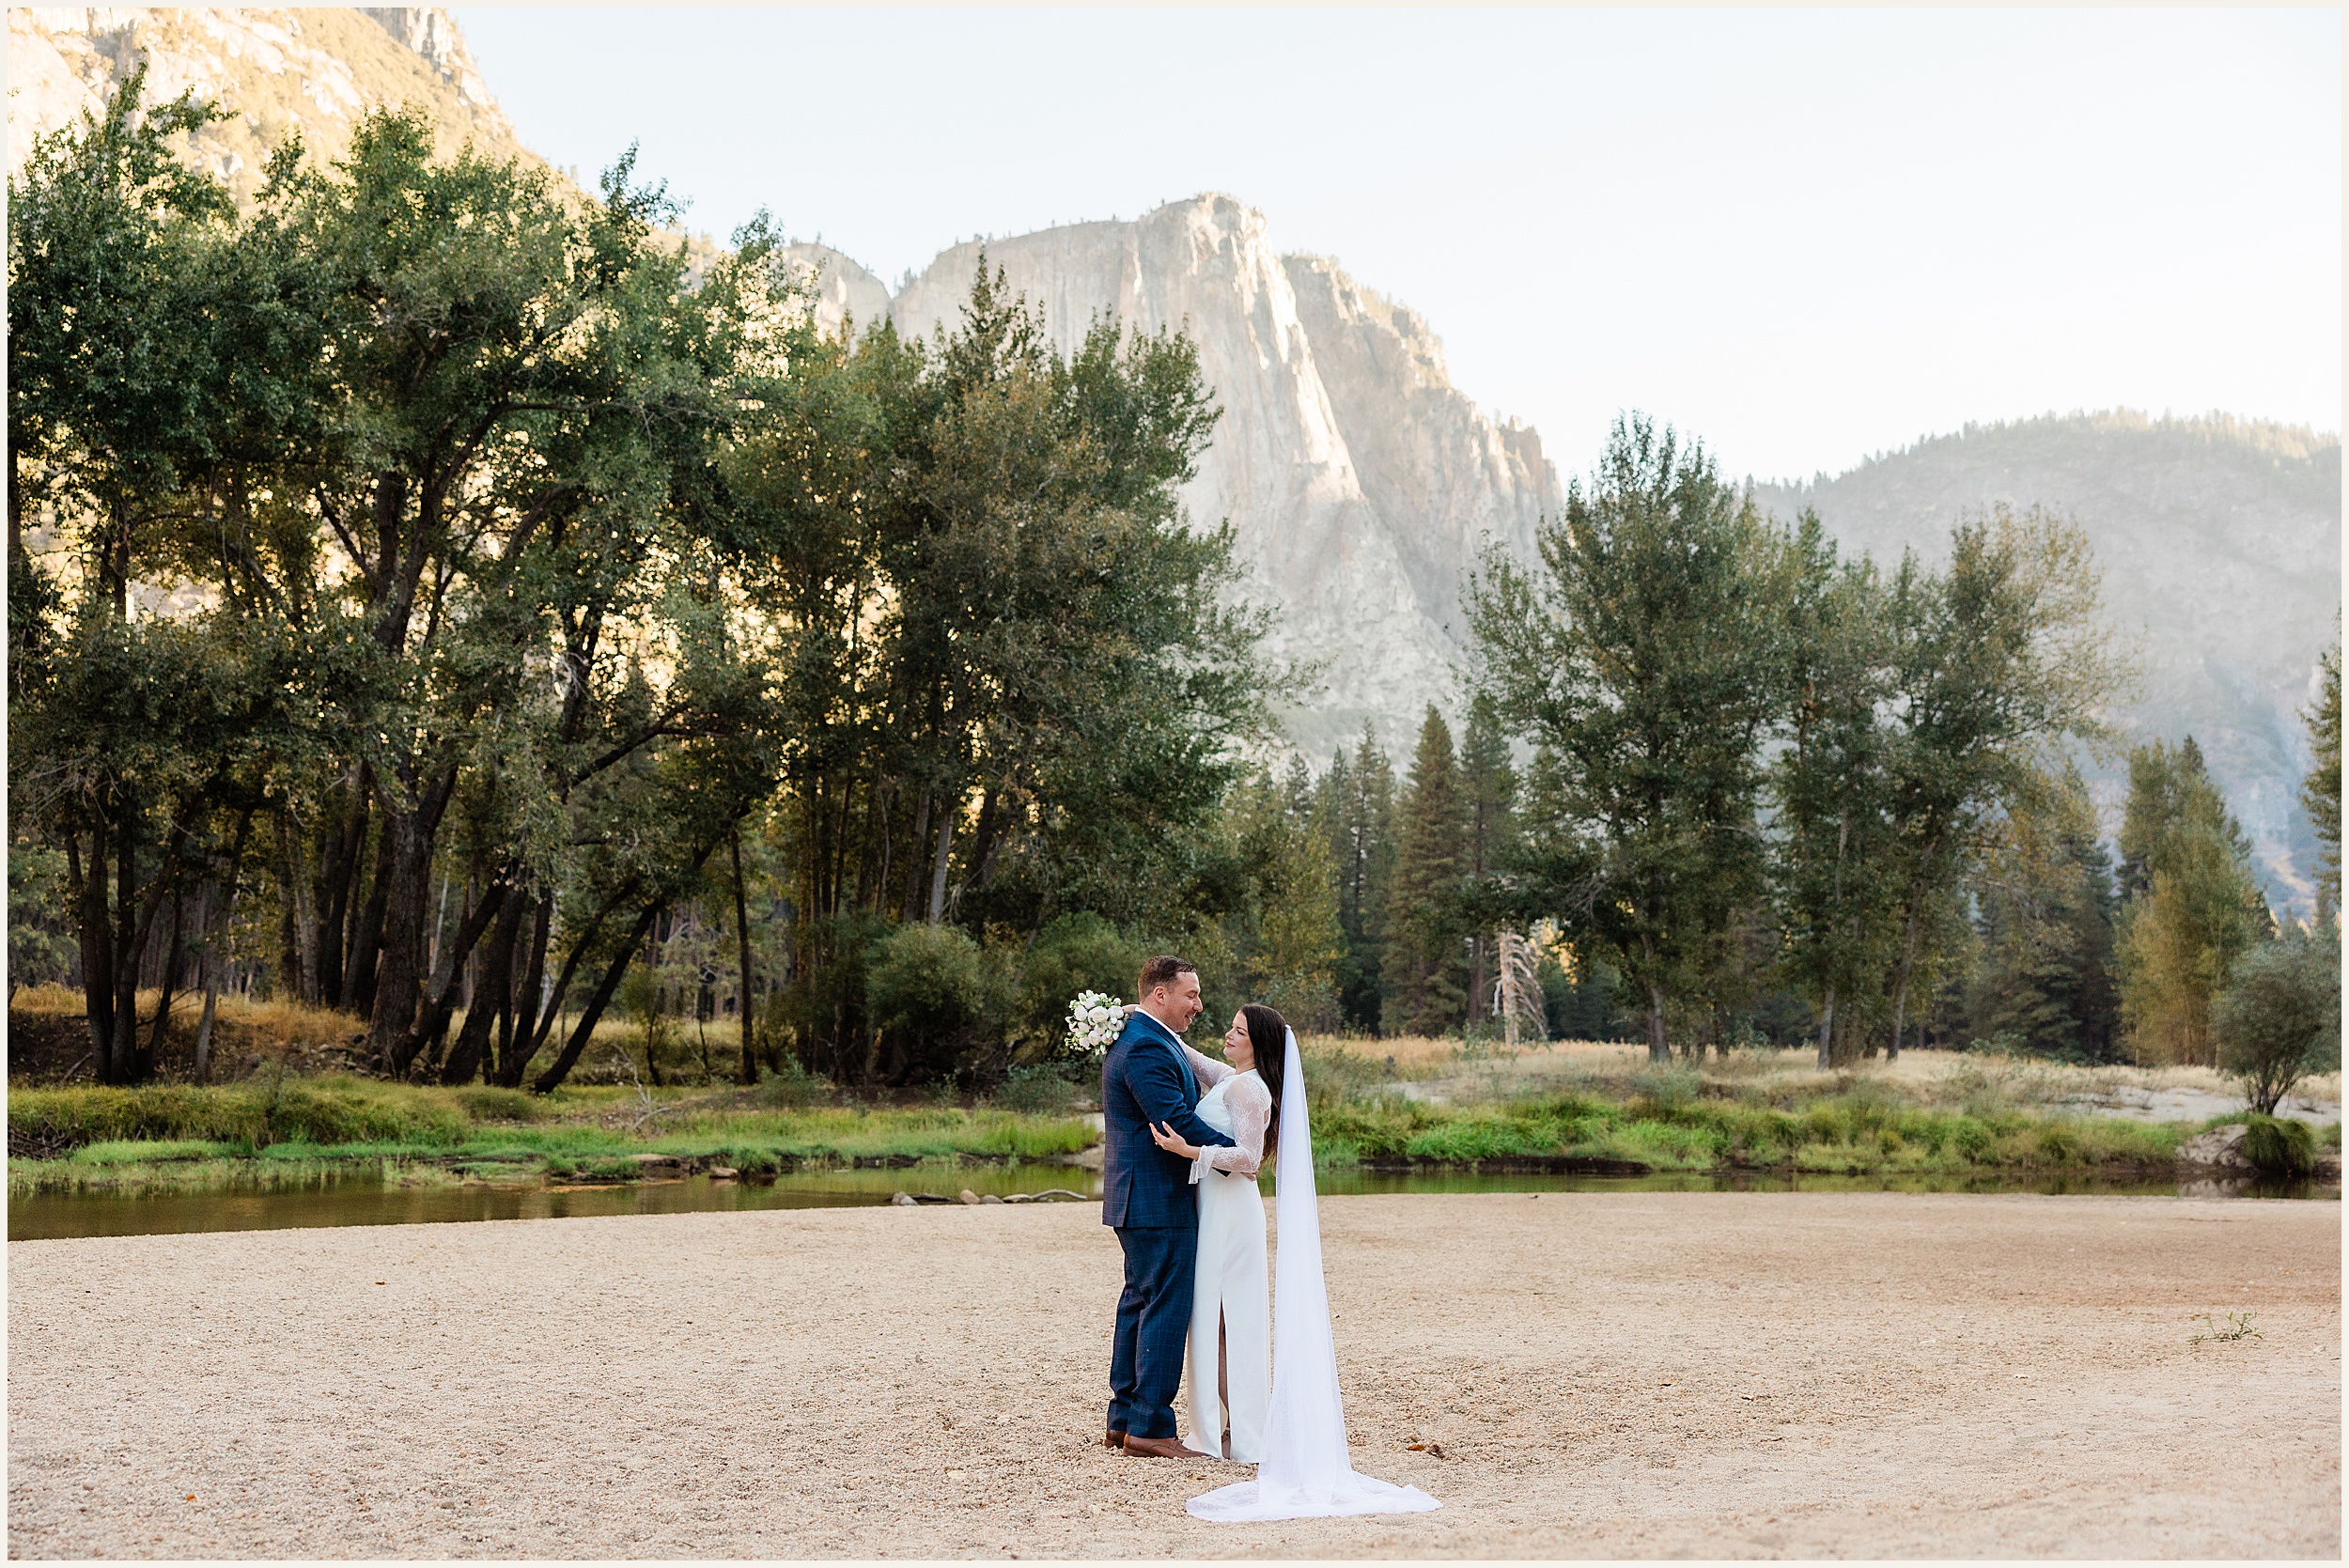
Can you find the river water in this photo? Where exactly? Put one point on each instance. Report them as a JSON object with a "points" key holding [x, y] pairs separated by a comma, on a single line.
{"points": [[369, 1200]]}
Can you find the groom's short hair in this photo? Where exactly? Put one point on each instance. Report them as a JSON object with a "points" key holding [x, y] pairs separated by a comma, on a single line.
{"points": [[1161, 971]]}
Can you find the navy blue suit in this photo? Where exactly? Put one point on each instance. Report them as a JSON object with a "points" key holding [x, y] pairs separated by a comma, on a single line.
{"points": [[1147, 1195]]}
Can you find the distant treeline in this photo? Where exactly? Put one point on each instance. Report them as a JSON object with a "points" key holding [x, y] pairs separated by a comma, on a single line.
{"points": [[431, 599]]}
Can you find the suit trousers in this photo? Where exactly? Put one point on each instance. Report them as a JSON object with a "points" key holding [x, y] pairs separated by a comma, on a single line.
{"points": [[1153, 1326]]}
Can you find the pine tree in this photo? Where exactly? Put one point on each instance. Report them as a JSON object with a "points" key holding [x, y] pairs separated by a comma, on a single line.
{"points": [[2043, 978], [1425, 971], [1361, 851], [1292, 945], [1490, 784], [2321, 793], [2197, 906]]}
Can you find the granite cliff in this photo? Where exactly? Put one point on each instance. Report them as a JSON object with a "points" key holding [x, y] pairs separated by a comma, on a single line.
{"points": [[312, 71], [1359, 483]]}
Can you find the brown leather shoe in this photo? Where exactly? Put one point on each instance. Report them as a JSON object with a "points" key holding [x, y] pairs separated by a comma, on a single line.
{"points": [[1156, 1448], [1114, 1439]]}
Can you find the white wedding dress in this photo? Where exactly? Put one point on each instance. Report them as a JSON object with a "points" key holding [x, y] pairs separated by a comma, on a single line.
{"points": [[1231, 1292], [1304, 1472]]}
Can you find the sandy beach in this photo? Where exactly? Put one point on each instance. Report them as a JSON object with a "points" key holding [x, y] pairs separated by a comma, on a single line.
{"points": [[1615, 1374]]}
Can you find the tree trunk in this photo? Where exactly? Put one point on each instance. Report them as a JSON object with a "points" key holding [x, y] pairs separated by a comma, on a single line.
{"points": [[359, 967], [748, 1072], [1827, 1030], [496, 977], [338, 881], [437, 996], [528, 1047], [97, 946], [1658, 1046], [121, 1048], [171, 956], [913, 857], [1900, 987], [590, 1016], [938, 866], [213, 952], [529, 997], [401, 974]]}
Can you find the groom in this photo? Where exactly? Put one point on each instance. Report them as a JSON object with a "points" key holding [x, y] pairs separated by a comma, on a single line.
{"points": [[1145, 1194]]}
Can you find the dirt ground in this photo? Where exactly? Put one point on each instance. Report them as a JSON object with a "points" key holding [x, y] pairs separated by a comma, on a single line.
{"points": [[1606, 1375]]}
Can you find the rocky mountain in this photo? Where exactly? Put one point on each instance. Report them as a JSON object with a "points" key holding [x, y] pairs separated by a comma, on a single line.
{"points": [[309, 69], [1358, 482], [2220, 545]]}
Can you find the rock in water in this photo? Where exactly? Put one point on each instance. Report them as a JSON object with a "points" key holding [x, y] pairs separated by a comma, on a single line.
{"points": [[905, 1200]]}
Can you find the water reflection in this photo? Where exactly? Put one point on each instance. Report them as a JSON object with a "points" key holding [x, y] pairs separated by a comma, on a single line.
{"points": [[367, 1200]]}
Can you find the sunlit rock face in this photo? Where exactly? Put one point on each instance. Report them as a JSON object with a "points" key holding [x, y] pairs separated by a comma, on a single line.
{"points": [[1359, 484], [2220, 541], [844, 290], [285, 70]]}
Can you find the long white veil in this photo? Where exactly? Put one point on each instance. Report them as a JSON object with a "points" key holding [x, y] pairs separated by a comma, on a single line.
{"points": [[1305, 1472]]}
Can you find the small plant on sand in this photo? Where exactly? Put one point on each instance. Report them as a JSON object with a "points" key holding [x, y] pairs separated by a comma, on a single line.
{"points": [[2238, 1327]]}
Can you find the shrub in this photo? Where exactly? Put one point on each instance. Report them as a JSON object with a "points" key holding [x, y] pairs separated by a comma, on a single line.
{"points": [[792, 1088], [487, 1102], [2278, 1147], [1076, 953], [936, 998], [2279, 1017], [1036, 1089], [2059, 1145], [1970, 1138]]}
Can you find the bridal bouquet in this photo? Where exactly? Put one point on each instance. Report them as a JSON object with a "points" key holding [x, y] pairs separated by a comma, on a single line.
{"points": [[1093, 1022]]}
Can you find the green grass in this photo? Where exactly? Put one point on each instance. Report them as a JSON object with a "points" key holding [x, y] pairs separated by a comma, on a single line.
{"points": [[1856, 1133], [181, 1137], [300, 1130]]}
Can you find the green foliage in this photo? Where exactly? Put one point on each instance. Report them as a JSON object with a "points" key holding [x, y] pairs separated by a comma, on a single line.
{"points": [[1426, 970], [321, 1110], [1075, 953], [2320, 793], [2279, 1017], [1287, 935], [2044, 980], [1356, 806], [2279, 1147], [2195, 905], [937, 997], [1644, 657]]}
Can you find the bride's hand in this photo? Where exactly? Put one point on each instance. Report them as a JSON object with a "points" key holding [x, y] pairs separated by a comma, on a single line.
{"points": [[1165, 1139]]}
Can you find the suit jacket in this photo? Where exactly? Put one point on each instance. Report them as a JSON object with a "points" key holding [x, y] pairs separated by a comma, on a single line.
{"points": [[1146, 1079]]}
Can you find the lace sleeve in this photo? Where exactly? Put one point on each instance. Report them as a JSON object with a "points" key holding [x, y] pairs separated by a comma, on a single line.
{"points": [[1250, 1104], [1210, 1071]]}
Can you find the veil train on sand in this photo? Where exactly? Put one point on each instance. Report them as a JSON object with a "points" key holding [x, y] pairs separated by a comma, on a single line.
{"points": [[1305, 1472]]}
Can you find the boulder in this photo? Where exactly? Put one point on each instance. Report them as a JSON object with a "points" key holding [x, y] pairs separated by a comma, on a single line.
{"points": [[2219, 1149], [969, 1196], [905, 1200]]}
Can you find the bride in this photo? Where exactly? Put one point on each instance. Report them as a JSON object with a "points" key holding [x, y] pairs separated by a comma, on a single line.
{"points": [[1288, 1423]]}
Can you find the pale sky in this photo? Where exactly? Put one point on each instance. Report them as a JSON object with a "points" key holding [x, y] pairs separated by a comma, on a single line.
{"points": [[1802, 236]]}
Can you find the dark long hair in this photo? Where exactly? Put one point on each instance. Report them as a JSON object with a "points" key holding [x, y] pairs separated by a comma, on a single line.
{"points": [[1268, 1035]]}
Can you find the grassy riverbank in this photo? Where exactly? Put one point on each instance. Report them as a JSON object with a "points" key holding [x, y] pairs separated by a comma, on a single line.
{"points": [[288, 1120], [293, 1132]]}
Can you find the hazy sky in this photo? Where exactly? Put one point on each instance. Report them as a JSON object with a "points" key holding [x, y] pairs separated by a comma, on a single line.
{"points": [[1803, 236]]}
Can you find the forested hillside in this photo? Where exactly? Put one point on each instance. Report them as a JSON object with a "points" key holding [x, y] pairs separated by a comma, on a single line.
{"points": [[2219, 542]]}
